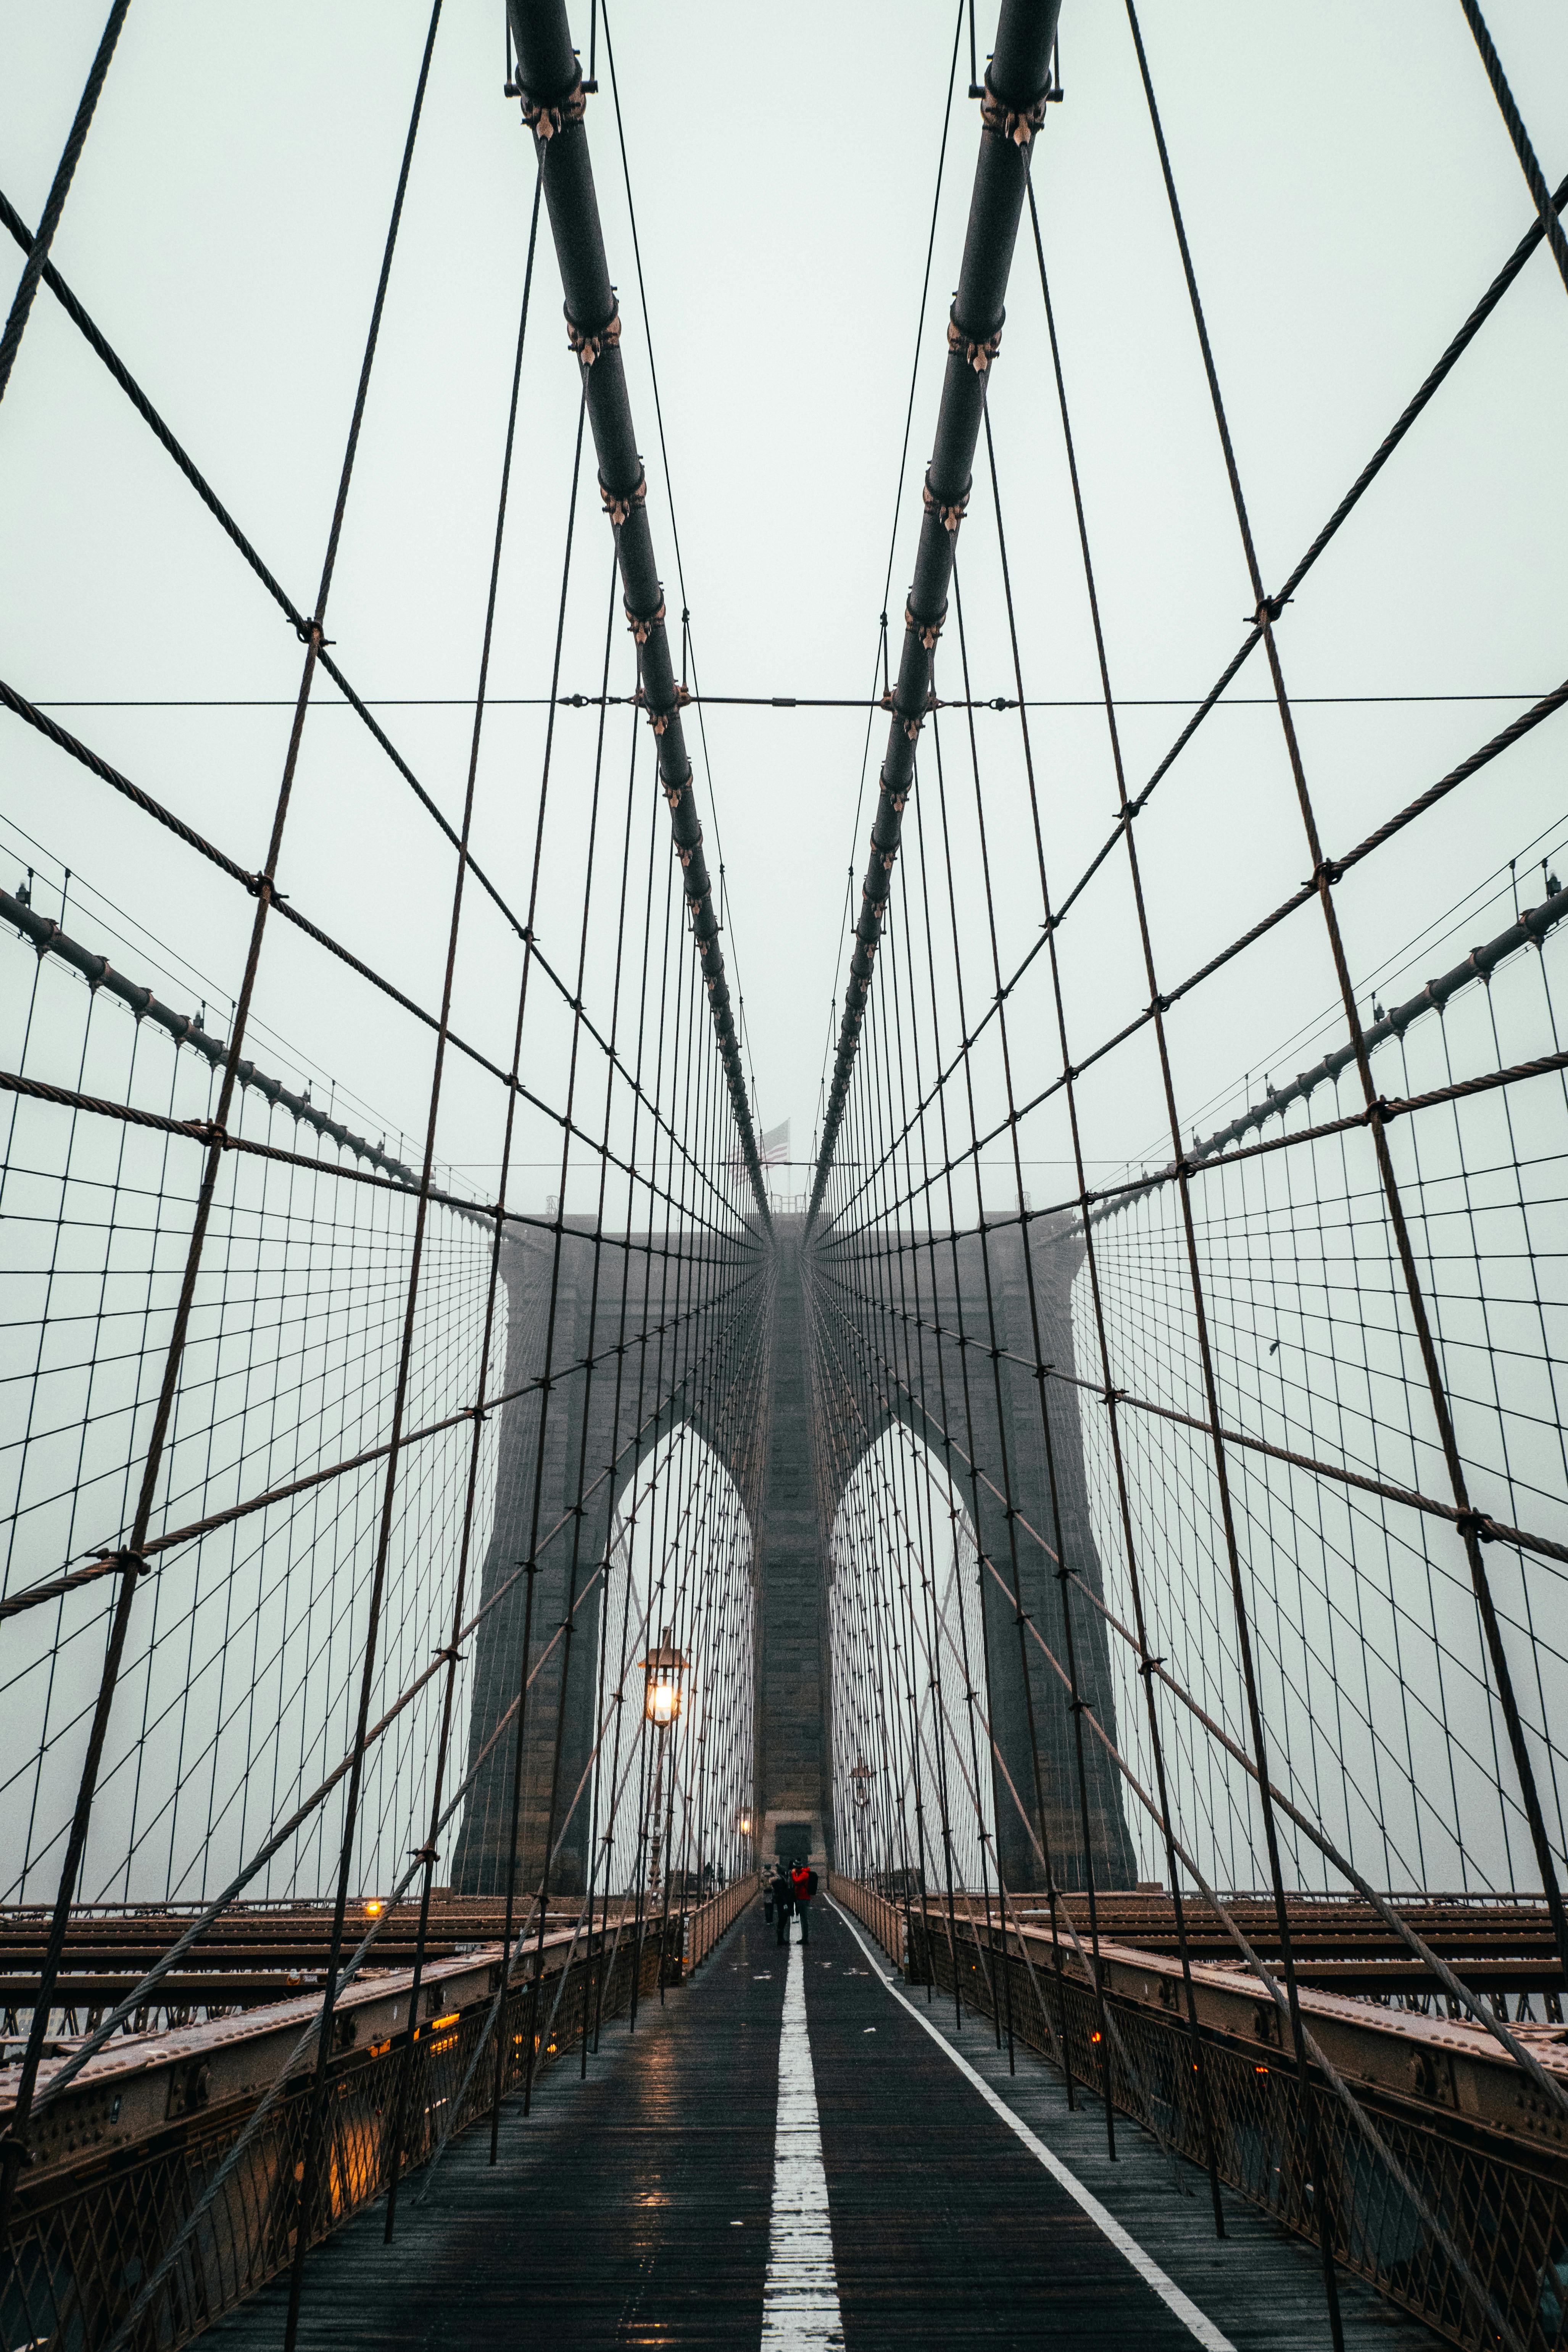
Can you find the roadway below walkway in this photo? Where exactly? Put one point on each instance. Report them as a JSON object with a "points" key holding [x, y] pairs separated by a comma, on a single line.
{"points": [[783, 2155]]}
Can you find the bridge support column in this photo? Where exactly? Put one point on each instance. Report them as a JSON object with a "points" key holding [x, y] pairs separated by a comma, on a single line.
{"points": [[794, 1796]]}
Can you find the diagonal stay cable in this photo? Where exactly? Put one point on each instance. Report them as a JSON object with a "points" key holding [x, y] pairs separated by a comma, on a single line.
{"points": [[899, 490], [664, 461], [636, 1445], [1522, 148], [553, 108], [1477, 2005], [14, 2148], [1419, 401], [280, 905], [1360, 2118], [10, 219], [19, 704], [1016, 81], [1482, 757], [64, 172]]}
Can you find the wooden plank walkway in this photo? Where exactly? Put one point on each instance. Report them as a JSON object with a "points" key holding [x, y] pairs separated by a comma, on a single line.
{"points": [[1261, 2286], [634, 2208]]}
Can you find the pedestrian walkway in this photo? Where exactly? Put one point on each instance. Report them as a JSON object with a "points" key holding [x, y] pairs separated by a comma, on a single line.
{"points": [[696, 2191]]}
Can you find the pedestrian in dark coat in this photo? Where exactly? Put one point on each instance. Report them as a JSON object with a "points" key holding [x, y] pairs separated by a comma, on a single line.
{"points": [[782, 1897]]}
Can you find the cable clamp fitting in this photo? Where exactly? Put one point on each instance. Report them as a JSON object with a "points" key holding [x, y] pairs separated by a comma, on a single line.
{"points": [[657, 719], [590, 343], [1268, 611], [619, 504], [643, 624], [928, 632], [1150, 1666], [1474, 1523], [950, 513], [547, 122], [1003, 122], [977, 355], [1327, 870]]}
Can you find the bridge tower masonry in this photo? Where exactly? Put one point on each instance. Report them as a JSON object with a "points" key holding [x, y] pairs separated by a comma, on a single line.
{"points": [[791, 1470], [794, 1755]]}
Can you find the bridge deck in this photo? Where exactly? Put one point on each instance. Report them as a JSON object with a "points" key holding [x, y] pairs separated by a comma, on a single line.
{"points": [[635, 2209]]}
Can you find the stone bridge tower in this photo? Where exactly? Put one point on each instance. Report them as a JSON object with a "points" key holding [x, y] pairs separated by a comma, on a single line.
{"points": [[790, 1464]]}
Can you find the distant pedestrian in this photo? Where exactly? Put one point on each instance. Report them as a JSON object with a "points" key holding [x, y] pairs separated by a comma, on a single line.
{"points": [[802, 1887], [781, 1895]]}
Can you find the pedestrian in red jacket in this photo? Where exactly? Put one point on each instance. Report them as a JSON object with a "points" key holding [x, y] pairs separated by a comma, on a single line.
{"points": [[802, 1887]]}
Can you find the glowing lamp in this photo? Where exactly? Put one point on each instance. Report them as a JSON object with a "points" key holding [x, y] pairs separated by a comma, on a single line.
{"points": [[663, 1687]]}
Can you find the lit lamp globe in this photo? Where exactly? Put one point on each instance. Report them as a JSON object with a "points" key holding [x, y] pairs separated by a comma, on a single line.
{"points": [[663, 1684]]}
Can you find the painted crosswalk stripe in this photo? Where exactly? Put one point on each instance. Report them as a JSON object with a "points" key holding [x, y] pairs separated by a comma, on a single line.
{"points": [[800, 2301]]}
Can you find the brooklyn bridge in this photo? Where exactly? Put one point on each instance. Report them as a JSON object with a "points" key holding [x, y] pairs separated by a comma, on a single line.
{"points": [[751, 1601]]}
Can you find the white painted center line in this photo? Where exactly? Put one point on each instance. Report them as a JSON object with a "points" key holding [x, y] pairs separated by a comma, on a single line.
{"points": [[1196, 2322], [800, 2301]]}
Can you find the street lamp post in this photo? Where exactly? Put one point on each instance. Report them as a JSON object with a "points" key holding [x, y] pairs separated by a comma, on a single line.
{"points": [[663, 1692]]}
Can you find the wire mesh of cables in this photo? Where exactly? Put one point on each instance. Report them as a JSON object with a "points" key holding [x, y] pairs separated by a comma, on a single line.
{"points": [[237, 1690], [905, 1617], [681, 1576], [1370, 1642], [1294, 1389], [289, 1365], [347, 1500], [1260, 1441]]}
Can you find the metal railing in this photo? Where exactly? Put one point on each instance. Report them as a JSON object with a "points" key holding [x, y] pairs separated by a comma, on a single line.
{"points": [[88, 2234], [714, 1918], [884, 1919], [1501, 2204]]}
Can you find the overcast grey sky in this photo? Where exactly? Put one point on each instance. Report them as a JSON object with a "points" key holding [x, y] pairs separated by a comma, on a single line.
{"points": [[1350, 191]]}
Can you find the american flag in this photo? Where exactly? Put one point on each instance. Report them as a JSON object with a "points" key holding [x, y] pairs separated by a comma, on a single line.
{"points": [[772, 1151]]}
